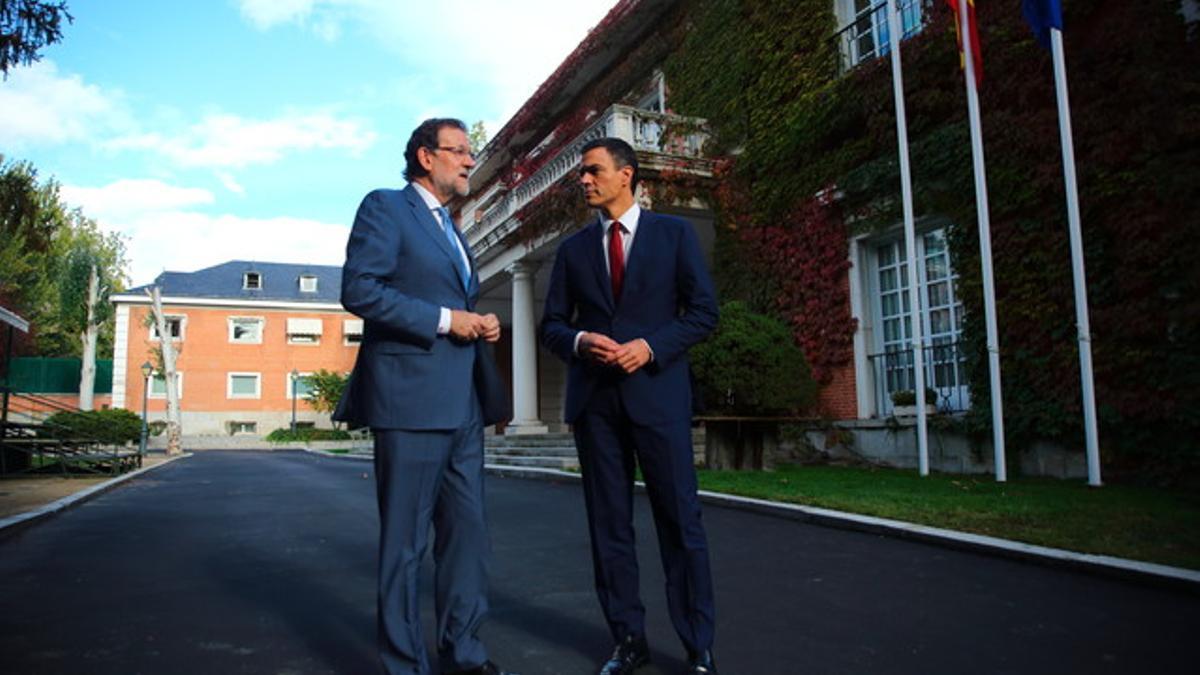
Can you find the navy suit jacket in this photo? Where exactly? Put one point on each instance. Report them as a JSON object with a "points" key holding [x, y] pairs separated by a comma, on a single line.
{"points": [[400, 271], [667, 299]]}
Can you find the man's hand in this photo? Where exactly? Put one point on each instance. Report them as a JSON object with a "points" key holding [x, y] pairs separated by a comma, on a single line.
{"points": [[468, 326], [491, 328], [632, 355], [598, 348]]}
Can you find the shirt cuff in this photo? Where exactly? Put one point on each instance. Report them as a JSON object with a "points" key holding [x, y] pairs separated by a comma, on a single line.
{"points": [[443, 322], [578, 337], [648, 348]]}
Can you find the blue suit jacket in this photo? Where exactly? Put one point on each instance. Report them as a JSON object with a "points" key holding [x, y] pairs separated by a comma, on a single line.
{"points": [[400, 270], [667, 299]]}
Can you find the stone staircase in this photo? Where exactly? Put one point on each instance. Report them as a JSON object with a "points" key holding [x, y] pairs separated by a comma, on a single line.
{"points": [[547, 451], [550, 451]]}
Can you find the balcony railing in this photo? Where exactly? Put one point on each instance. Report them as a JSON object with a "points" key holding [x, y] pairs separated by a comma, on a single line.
{"points": [[645, 130], [944, 373], [866, 37]]}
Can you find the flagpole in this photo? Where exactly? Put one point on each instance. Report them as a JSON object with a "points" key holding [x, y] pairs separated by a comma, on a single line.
{"points": [[985, 243], [1081, 304], [910, 241]]}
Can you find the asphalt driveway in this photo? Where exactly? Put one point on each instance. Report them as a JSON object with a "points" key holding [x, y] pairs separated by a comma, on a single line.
{"points": [[264, 562]]}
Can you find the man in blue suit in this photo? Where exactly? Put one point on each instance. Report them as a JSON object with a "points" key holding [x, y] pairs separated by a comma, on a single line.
{"points": [[628, 296], [410, 276]]}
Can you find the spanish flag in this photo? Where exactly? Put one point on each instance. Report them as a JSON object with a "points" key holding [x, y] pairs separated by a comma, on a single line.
{"points": [[976, 54]]}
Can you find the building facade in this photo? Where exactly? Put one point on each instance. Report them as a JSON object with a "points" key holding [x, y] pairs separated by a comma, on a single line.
{"points": [[242, 331]]}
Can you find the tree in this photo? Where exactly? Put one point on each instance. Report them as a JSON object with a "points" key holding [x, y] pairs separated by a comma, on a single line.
{"points": [[25, 27], [170, 376], [325, 390], [478, 137], [751, 365]]}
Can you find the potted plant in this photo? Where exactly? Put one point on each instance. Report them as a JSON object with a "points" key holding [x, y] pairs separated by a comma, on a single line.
{"points": [[904, 402]]}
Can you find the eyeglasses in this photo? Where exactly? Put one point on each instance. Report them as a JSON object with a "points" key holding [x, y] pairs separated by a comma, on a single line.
{"points": [[460, 152]]}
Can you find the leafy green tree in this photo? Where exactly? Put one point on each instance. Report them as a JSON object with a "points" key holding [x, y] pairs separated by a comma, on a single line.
{"points": [[478, 136], [751, 365], [325, 389], [25, 27]]}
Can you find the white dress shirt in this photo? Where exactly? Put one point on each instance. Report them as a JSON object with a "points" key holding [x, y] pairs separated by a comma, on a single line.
{"points": [[629, 224], [443, 326]]}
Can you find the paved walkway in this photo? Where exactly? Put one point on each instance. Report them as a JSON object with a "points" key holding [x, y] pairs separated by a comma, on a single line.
{"points": [[257, 562]]}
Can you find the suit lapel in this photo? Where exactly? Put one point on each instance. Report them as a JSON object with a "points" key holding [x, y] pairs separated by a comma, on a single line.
{"points": [[635, 261], [429, 224], [594, 247]]}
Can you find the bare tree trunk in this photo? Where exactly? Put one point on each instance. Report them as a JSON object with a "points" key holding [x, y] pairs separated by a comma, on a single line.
{"points": [[174, 425], [91, 332]]}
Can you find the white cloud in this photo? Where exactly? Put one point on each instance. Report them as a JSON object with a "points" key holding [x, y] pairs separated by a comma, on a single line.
{"points": [[187, 241], [230, 183], [224, 140], [38, 105], [514, 46], [128, 197], [163, 232]]}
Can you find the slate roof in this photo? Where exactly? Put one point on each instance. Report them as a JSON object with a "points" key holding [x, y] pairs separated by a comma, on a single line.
{"points": [[279, 281]]}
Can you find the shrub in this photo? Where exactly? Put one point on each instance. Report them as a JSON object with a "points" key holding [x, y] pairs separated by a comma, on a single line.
{"points": [[116, 426], [285, 435], [751, 365], [909, 397]]}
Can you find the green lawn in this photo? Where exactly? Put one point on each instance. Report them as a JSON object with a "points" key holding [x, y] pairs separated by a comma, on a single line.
{"points": [[1140, 523]]}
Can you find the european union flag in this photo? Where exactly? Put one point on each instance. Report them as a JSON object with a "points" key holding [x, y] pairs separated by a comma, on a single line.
{"points": [[1043, 15]]}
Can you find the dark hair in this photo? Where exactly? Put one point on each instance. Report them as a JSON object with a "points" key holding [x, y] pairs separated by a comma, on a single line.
{"points": [[426, 136], [621, 152]]}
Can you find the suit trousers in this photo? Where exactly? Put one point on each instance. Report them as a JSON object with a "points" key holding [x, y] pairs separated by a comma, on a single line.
{"points": [[609, 446], [424, 479]]}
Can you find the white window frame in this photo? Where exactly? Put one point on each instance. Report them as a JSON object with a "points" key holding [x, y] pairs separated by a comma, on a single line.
{"points": [[262, 327], [287, 382], [181, 318], [878, 344], [158, 375], [872, 21], [346, 335], [251, 432], [258, 278], [229, 385], [308, 277], [307, 339]]}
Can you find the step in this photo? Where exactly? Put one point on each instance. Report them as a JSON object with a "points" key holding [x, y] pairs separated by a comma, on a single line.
{"points": [[532, 451], [533, 461]]}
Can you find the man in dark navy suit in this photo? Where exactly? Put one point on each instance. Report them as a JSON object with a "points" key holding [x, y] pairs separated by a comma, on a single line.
{"points": [[628, 296], [410, 276]]}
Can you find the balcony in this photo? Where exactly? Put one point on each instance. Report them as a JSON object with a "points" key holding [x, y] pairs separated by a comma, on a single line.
{"points": [[646, 131], [944, 373], [866, 37]]}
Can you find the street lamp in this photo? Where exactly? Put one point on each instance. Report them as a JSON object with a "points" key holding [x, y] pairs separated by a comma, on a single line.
{"points": [[147, 369], [295, 376]]}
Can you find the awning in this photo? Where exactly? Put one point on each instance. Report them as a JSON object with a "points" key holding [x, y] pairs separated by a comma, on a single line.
{"points": [[304, 326]]}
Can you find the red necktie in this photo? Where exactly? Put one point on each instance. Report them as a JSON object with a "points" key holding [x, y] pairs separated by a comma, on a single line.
{"points": [[616, 258]]}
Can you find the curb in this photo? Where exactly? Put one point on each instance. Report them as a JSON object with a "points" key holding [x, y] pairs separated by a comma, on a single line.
{"points": [[12, 524], [1103, 565]]}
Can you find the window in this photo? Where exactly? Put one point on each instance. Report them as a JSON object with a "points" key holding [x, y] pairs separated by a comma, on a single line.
{"points": [[308, 283], [174, 327], [304, 331], [941, 321], [864, 35], [244, 385], [246, 329], [243, 428], [252, 281], [303, 386], [352, 332], [158, 385]]}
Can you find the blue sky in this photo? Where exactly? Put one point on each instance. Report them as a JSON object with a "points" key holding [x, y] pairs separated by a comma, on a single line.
{"points": [[209, 131]]}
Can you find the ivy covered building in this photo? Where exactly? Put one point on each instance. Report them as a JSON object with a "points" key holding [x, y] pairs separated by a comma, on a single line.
{"points": [[771, 126]]}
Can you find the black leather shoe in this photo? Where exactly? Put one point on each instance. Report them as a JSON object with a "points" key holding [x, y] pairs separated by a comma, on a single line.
{"points": [[630, 654], [488, 668], [701, 664]]}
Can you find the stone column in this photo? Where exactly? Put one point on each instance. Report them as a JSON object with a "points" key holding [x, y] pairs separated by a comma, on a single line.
{"points": [[524, 354]]}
